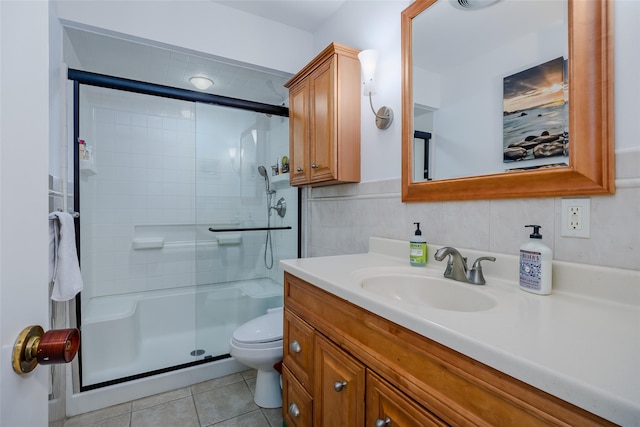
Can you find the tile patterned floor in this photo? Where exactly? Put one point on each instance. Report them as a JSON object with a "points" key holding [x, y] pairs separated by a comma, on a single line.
{"points": [[222, 402]]}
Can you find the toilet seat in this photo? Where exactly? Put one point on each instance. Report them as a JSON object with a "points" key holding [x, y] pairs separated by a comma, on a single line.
{"points": [[261, 332]]}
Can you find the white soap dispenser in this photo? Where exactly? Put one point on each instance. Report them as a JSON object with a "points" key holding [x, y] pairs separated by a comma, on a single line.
{"points": [[535, 264], [418, 248]]}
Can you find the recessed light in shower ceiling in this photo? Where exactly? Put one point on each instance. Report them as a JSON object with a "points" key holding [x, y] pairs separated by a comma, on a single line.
{"points": [[201, 82]]}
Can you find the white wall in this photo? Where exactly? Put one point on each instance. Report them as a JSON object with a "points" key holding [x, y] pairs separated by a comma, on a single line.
{"points": [[374, 25], [343, 224], [200, 26], [161, 169]]}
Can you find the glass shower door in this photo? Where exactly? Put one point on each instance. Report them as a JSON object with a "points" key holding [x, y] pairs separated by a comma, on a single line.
{"points": [[137, 231], [237, 276], [162, 291]]}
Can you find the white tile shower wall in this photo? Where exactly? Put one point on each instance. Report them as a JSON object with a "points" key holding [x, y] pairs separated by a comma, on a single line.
{"points": [[342, 218], [149, 183]]}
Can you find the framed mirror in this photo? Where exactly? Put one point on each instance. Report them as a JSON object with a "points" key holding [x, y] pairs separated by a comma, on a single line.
{"points": [[509, 153]]}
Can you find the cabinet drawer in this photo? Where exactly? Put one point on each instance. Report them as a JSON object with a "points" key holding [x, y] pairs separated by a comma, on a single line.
{"points": [[386, 403], [299, 348], [297, 405], [339, 387]]}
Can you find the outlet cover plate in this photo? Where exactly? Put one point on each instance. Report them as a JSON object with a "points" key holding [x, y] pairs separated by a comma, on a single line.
{"points": [[567, 221]]}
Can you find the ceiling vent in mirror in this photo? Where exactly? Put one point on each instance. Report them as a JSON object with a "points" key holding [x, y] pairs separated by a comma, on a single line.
{"points": [[472, 4]]}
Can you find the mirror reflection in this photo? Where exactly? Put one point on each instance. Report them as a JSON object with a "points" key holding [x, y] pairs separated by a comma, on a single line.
{"points": [[489, 88]]}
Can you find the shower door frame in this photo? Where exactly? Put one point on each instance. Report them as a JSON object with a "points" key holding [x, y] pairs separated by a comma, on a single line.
{"points": [[79, 77]]}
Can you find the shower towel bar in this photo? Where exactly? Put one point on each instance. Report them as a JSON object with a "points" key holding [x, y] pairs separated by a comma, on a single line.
{"points": [[223, 230], [73, 214]]}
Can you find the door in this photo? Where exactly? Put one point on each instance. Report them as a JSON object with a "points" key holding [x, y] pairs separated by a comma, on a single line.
{"points": [[323, 128], [24, 162], [300, 170], [339, 380]]}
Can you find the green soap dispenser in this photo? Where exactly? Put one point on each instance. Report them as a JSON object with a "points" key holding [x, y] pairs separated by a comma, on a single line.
{"points": [[418, 248]]}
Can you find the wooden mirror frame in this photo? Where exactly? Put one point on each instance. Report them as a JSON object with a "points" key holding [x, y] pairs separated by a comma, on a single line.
{"points": [[591, 120]]}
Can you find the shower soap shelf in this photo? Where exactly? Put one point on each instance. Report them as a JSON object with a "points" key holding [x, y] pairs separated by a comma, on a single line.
{"points": [[88, 167], [280, 181]]}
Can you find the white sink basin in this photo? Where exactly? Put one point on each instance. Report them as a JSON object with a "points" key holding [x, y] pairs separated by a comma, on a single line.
{"points": [[434, 292]]}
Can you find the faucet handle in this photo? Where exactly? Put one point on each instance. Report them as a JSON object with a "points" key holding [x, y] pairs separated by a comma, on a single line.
{"points": [[475, 274]]}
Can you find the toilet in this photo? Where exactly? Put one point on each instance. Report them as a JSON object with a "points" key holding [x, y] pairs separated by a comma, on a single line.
{"points": [[258, 344]]}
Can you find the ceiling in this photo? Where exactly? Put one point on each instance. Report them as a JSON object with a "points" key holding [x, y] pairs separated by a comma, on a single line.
{"points": [[99, 53], [306, 15]]}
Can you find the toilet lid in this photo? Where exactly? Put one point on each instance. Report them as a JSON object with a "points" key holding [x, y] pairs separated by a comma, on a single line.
{"points": [[265, 328]]}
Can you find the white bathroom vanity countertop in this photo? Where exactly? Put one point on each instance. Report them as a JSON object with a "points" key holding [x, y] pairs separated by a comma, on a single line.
{"points": [[581, 343]]}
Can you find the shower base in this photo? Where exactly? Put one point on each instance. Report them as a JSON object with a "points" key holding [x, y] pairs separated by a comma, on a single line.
{"points": [[133, 334]]}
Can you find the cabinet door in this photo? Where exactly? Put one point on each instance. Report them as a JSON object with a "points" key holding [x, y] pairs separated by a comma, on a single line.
{"points": [[323, 123], [386, 406], [298, 348], [297, 405], [299, 165], [338, 397]]}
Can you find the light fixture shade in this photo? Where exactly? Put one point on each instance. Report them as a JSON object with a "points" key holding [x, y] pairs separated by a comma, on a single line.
{"points": [[368, 59], [201, 82]]}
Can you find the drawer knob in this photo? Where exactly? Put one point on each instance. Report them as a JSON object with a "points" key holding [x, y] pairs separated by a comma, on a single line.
{"points": [[295, 347], [299, 169], [293, 410], [339, 385], [314, 166], [383, 423]]}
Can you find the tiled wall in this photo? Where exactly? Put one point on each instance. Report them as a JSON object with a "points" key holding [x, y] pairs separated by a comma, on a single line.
{"points": [[342, 218], [162, 170]]}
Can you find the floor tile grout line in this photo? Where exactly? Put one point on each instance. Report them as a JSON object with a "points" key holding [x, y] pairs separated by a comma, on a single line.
{"points": [[195, 407]]}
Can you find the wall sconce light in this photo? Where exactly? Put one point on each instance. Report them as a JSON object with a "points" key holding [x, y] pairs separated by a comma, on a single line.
{"points": [[201, 81], [368, 59]]}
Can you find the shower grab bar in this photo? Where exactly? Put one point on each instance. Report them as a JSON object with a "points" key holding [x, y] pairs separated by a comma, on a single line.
{"points": [[73, 214], [224, 230]]}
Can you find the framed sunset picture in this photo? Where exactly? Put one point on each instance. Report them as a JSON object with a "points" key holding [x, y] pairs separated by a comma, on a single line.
{"points": [[535, 114]]}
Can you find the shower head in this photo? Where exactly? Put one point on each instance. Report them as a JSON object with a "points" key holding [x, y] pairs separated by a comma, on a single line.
{"points": [[263, 172]]}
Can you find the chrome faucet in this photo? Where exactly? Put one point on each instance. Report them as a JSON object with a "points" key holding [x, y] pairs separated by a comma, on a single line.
{"points": [[457, 266]]}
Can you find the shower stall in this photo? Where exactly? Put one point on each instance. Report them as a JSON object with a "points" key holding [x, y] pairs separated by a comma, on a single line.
{"points": [[182, 224]]}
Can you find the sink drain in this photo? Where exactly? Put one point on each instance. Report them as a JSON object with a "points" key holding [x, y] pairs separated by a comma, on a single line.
{"points": [[197, 352]]}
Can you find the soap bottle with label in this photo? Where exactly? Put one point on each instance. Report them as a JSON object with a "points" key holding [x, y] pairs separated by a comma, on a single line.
{"points": [[418, 248], [81, 148], [535, 264]]}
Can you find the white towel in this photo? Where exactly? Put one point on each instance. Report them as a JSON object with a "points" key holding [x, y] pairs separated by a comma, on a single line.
{"points": [[64, 269]]}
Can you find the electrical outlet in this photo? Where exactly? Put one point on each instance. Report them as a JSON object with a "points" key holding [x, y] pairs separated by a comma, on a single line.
{"points": [[575, 218]]}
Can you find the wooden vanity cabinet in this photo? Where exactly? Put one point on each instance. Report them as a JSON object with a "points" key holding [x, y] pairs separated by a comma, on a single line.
{"points": [[392, 372], [324, 119]]}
